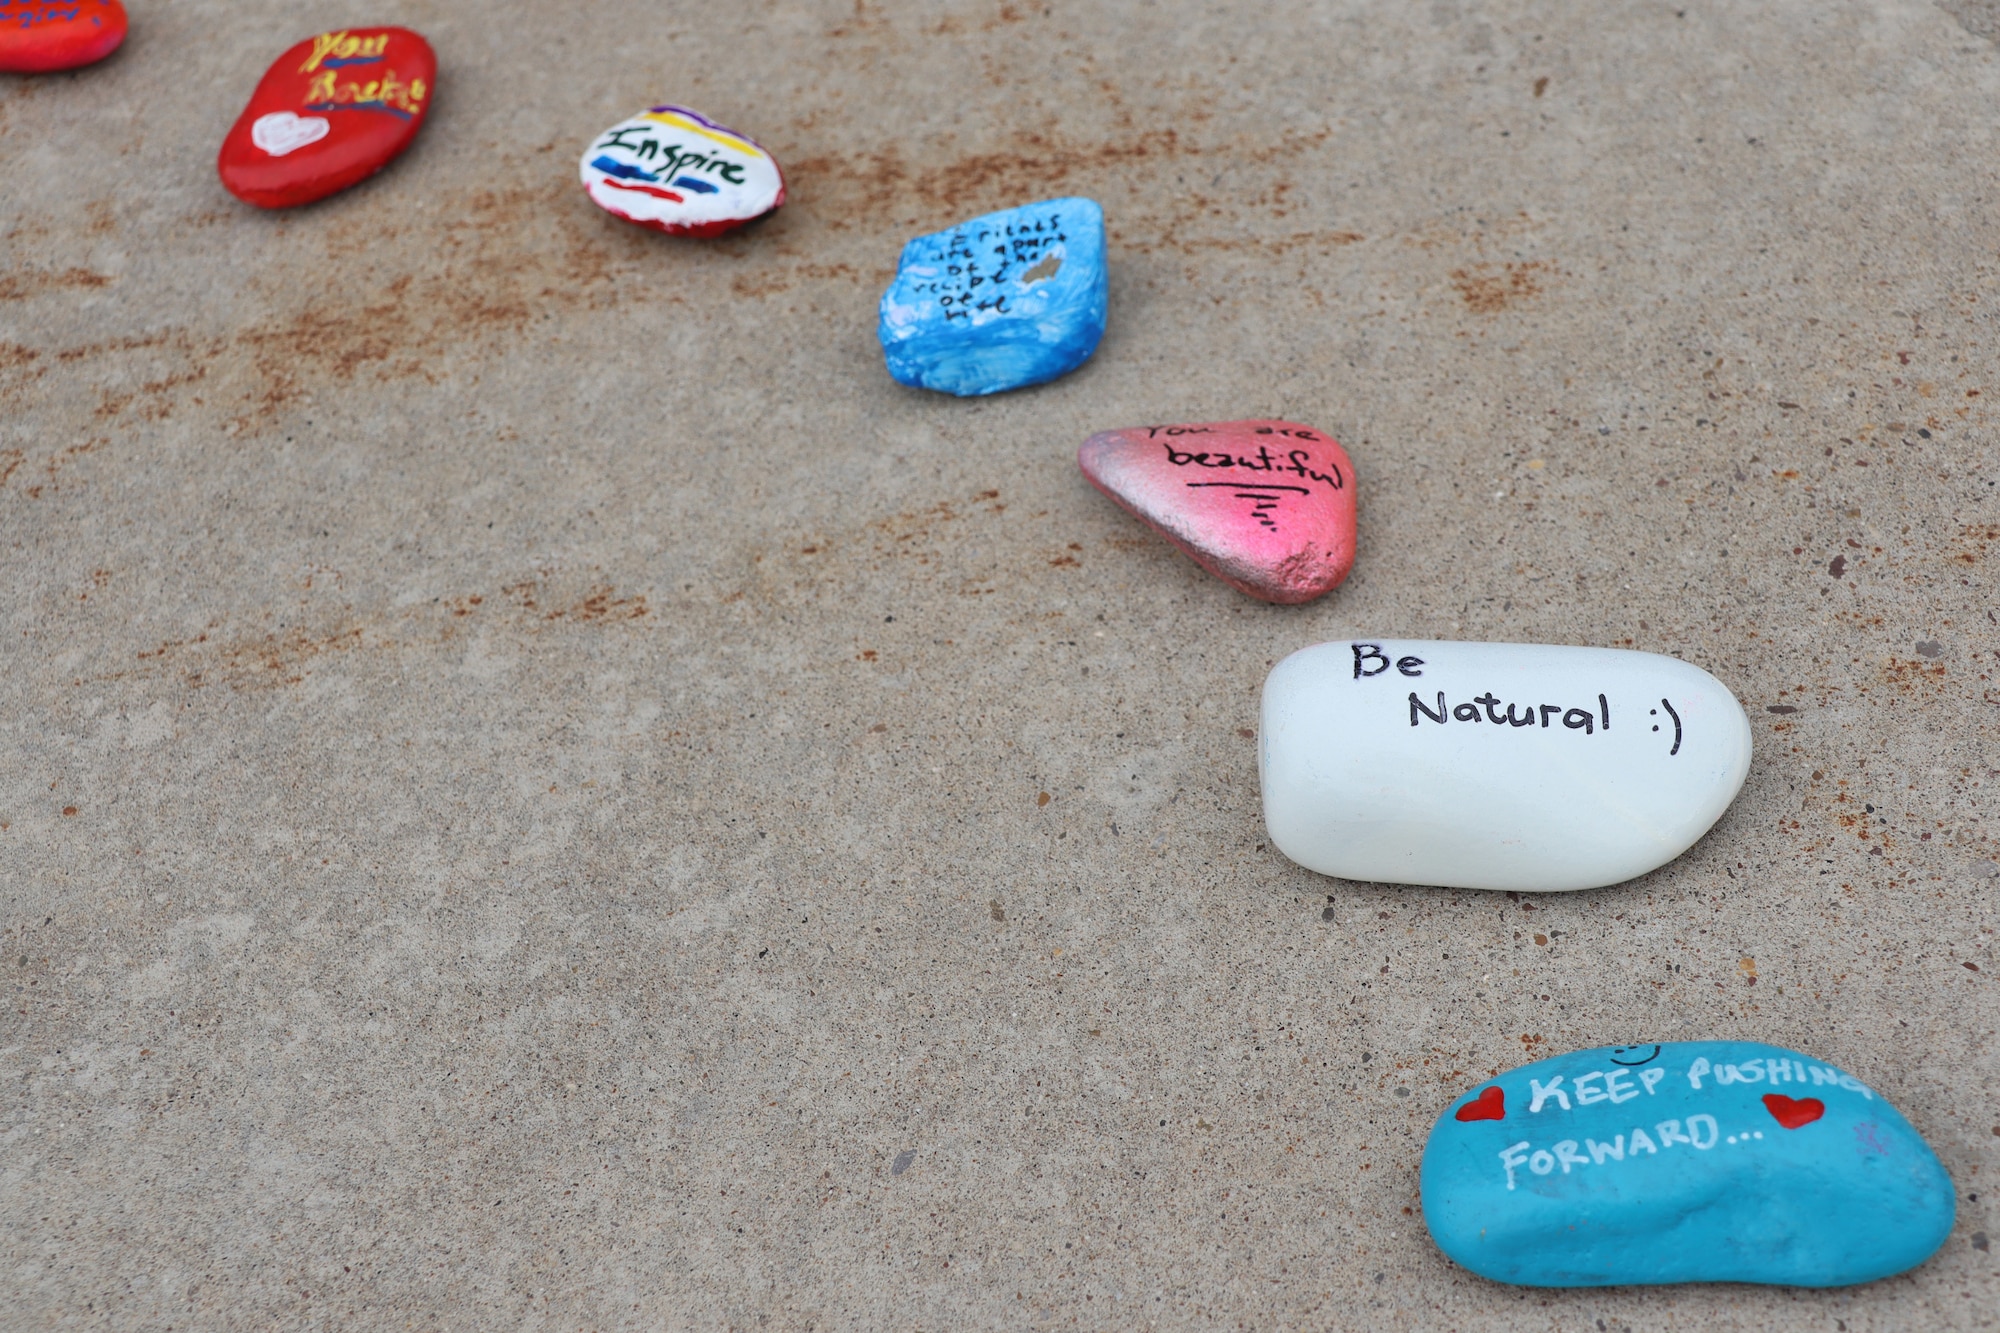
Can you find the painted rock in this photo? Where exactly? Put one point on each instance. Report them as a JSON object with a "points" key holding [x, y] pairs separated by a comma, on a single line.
{"points": [[1694, 1161], [1265, 506], [333, 111], [1000, 302], [677, 171], [37, 36], [1494, 765]]}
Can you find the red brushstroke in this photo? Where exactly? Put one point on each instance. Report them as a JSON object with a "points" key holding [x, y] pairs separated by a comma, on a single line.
{"points": [[653, 190]]}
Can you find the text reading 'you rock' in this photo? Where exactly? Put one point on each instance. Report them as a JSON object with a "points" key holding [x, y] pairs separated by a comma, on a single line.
{"points": [[328, 114]]}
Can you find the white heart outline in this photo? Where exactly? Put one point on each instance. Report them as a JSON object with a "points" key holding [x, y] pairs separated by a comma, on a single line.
{"points": [[283, 132]]}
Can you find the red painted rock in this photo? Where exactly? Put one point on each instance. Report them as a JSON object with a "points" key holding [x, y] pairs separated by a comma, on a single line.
{"points": [[37, 36], [1265, 506], [333, 111]]}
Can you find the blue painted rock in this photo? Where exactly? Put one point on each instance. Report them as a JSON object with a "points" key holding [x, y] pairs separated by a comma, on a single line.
{"points": [[676, 171], [1701, 1161], [1494, 765], [1000, 302]]}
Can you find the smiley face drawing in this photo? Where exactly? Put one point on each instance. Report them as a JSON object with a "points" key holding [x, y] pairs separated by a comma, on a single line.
{"points": [[1633, 1056], [1655, 712]]}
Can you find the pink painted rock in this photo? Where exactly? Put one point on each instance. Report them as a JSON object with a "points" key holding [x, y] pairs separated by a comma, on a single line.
{"points": [[1265, 506]]}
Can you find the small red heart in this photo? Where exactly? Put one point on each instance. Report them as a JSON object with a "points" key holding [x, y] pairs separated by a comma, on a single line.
{"points": [[1488, 1105], [1793, 1114]]}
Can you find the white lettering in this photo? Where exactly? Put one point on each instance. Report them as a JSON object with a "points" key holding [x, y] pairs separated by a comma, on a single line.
{"points": [[1780, 1070], [1696, 1070], [1799, 1071], [1700, 1131], [1822, 1076], [1853, 1084], [1586, 1095], [1753, 1072], [1651, 1078], [1540, 1094], [1613, 1087]]}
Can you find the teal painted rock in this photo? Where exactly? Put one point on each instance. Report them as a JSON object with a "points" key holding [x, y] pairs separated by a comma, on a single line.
{"points": [[1000, 302], [1688, 1162]]}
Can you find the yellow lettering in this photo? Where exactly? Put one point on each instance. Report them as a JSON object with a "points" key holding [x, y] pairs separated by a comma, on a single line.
{"points": [[323, 46], [417, 90], [370, 92], [321, 87], [343, 46]]}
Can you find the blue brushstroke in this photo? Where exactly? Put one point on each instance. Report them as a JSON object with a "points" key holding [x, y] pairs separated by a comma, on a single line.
{"points": [[694, 183], [395, 111], [353, 60], [623, 171]]}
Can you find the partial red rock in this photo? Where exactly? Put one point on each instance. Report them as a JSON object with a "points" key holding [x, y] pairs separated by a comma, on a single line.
{"points": [[39, 37], [333, 111]]}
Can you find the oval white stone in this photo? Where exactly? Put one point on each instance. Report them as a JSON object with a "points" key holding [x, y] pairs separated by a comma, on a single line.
{"points": [[675, 170], [1622, 761]]}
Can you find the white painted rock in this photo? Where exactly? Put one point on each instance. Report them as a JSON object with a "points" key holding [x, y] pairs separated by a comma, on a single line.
{"points": [[1494, 765], [675, 170]]}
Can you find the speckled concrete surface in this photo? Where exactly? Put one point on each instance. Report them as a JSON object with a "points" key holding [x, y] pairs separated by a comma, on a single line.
{"points": [[525, 751]]}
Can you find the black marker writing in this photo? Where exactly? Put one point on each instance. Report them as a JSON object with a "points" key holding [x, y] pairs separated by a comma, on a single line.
{"points": [[1677, 724], [970, 263], [672, 159], [1574, 719], [1294, 462]]}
